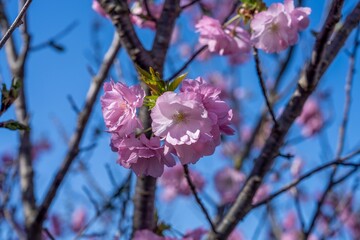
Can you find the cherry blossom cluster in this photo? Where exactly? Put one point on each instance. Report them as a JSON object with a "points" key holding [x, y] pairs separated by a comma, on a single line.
{"points": [[175, 184], [186, 124], [272, 30], [311, 119]]}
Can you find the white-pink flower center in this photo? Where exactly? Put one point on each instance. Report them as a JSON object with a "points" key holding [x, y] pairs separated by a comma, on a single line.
{"points": [[122, 105], [179, 117], [274, 28]]}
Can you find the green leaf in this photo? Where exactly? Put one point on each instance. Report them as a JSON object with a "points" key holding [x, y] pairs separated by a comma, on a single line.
{"points": [[152, 79], [161, 227], [176, 82], [150, 101], [14, 125]]}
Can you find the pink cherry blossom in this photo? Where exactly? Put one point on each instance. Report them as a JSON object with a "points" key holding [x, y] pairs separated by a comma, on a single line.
{"points": [[7, 159], [296, 166], [231, 40], [39, 147], [139, 15], [230, 149], [261, 193], [174, 182], [78, 219], [277, 28], [144, 156], [311, 118], [235, 235], [119, 104], [218, 109], [184, 50], [191, 121], [228, 183], [289, 222], [195, 234], [56, 225], [182, 120], [299, 16], [146, 234], [97, 8]]}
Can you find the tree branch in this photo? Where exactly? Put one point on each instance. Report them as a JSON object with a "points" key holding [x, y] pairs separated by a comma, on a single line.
{"points": [[305, 176], [118, 11], [198, 200], [17, 22], [83, 119], [164, 28], [306, 86]]}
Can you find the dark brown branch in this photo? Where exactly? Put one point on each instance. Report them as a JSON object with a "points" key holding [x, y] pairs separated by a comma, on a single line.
{"points": [[164, 29], [17, 22], [144, 205], [262, 85], [118, 11], [198, 200], [307, 83], [83, 119], [183, 7]]}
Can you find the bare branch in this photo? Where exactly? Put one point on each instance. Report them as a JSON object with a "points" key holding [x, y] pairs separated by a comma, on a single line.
{"points": [[188, 62], [183, 7], [198, 200], [17, 22], [262, 84], [83, 119], [305, 176], [164, 28]]}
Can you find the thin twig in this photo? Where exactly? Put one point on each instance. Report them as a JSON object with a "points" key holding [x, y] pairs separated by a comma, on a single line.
{"points": [[48, 233], [187, 63], [125, 185], [17, 22], [307, 175], [198, 200], [199, 51], [73, 104], [54, 38], [262, 84], [183, 7], [299, 210]]}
